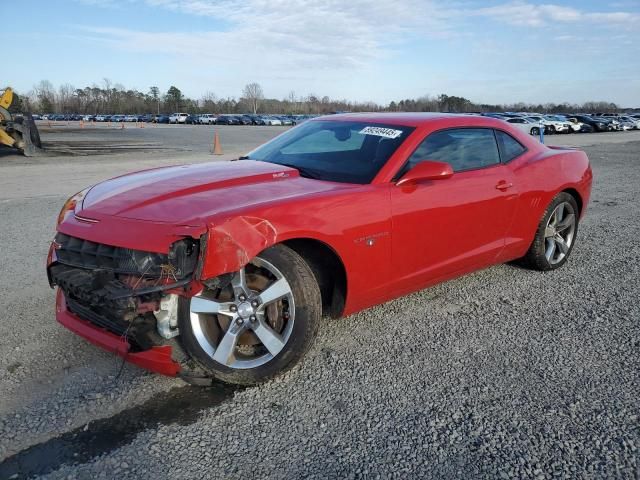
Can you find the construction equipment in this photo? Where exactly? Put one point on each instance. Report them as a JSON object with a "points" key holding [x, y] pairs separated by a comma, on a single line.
{"points": [[19, 132]]}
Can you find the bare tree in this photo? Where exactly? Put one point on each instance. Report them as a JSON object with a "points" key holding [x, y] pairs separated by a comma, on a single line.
{"points": [[253, 94]]}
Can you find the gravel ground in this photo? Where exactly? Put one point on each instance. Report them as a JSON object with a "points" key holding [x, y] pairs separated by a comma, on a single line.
{"points": [[504, 373]]}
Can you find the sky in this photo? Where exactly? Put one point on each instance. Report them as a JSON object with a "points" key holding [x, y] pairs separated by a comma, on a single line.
{"points": [[492, 51]]}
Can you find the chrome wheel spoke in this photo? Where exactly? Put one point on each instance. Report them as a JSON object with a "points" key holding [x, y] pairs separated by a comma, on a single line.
{"points": [[204, 305], [225, 352], [239, 283], [269, 338], [567, 222], [549, 232], [551, 249], [559, 214], [562, 245], [277, 290]]}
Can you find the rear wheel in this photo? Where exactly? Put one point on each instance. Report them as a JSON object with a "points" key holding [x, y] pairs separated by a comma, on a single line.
{"points": [[535, 131], [555, 236], [258, 325]]}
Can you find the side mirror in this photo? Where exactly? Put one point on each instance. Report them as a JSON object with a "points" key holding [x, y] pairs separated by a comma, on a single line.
{"points": [[426, 170]]}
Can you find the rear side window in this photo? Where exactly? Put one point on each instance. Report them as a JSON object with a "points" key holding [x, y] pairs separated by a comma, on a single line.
{"points": [[510, 148], [463, 149]]}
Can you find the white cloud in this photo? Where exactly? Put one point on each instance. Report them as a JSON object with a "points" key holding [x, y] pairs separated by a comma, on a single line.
{"points": [[534, 15], [289, 32]]}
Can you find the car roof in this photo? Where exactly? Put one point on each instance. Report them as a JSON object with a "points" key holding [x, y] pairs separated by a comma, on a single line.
{"points": [[409, 119]]}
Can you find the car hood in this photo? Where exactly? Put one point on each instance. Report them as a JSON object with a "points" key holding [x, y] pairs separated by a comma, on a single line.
{"points": [[192, 194]]}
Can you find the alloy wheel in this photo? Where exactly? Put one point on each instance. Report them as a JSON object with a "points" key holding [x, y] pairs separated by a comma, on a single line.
{"points": [[559, 233], [248, 323]]}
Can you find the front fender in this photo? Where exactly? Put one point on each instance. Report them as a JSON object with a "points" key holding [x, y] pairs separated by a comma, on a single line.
{"points": [[233, 243]]}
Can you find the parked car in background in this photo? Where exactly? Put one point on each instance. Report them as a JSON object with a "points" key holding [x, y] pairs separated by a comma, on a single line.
{"points": [[224, 120], [609, 122], [208, 119], [178, 118], [634, 121], [131, 118], [597, 125], [626, 124], [162, 118], [560, 124], [272, 121], [551, 126], [578, 126], [193, 120], [523, 124]]}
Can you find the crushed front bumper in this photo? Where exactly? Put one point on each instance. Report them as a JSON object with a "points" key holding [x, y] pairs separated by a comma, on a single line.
{"points": [[157, 359]]}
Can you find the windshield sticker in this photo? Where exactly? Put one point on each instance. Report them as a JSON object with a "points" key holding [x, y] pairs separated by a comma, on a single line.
{"points": [[381, 132]]}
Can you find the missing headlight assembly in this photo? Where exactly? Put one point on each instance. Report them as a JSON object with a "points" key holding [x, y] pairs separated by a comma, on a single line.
{"points": [[122, 290]]}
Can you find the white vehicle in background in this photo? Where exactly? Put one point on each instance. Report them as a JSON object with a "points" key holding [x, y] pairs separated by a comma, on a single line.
{"points": [[552, 126], [561, 124], [178, 118], [527, 126], [131, 118], [272, 121], [634, 122], [208, 119]]}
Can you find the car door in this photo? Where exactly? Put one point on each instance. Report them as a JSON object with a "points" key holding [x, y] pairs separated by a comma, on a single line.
{"points": [[446, 227]]}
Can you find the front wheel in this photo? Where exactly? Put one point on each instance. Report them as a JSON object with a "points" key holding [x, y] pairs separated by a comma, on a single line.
{"points": [[556, 234], [259, 324]]}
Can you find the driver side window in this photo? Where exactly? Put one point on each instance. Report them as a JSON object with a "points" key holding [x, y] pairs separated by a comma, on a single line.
{"points": [[463, 149]]}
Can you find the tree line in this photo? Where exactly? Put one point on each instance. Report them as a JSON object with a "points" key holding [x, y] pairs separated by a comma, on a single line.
{"points": [[112, 98]]}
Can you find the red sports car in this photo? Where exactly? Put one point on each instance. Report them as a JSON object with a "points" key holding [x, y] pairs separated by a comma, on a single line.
{"points": [[223, 270]]}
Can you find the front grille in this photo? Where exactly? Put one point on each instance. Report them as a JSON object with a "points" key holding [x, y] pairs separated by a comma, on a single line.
{"points": [[81, 253], [119, 327]]}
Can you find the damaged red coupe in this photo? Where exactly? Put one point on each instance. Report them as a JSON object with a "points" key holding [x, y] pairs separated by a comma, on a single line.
{"points": [[223, 270]]}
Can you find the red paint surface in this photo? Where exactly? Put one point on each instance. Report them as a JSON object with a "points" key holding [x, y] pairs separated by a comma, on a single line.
{"points": [[157, 359], [422, 233]]}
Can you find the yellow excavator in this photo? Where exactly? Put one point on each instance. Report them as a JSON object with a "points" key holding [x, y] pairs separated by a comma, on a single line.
{"points": [[19, 132]]}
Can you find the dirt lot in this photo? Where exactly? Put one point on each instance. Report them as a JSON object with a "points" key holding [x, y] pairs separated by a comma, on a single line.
{"points": [[503, 373]]}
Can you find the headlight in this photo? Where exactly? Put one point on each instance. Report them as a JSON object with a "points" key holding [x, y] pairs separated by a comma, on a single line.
{"points": [[71, 204]]}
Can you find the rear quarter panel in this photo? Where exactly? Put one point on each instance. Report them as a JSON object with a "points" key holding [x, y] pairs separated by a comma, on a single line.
{"points": [[540, 177]]}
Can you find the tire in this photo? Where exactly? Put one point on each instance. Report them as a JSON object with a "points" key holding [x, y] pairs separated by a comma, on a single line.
{"points": [[552, 246], [227, 333], [535, 131]]}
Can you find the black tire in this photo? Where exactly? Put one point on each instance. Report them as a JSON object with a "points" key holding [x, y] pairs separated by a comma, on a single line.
{"points": [[535, 131], [535, 257], [308, 311]]}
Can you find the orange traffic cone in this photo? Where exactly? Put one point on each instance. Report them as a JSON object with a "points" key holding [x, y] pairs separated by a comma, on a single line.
{"points": [[217, 148], [81, 123], [121, 125]]}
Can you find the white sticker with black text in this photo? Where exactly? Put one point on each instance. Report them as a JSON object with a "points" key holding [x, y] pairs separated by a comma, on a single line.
{"points": [[381, 132]]}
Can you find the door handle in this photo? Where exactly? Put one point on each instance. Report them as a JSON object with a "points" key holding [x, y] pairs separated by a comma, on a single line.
{"points": [[504, 186]]}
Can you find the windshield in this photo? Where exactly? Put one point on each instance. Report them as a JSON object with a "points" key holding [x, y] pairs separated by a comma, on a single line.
{"points": [[348, 152]]}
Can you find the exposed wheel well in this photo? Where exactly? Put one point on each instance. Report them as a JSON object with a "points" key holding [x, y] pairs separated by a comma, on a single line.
{"points": [[574, 193], [328, 269]]}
